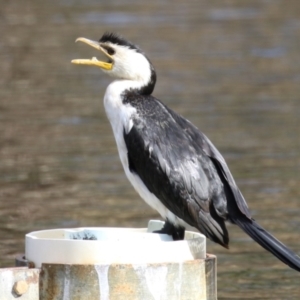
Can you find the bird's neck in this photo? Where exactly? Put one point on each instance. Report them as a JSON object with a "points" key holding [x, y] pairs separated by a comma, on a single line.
{"points": [[121, 85], [140, 86]]}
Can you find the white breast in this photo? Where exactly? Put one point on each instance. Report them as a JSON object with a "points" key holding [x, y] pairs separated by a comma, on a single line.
{"points": [[120, 117]]}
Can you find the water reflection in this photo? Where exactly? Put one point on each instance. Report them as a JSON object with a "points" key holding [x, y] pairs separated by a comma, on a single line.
{"points": [[119, 18], [230, 14], [231, 68]]}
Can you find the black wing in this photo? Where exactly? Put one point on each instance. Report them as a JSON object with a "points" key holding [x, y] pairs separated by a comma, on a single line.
{"points": [[167, 157], [236, 202]]}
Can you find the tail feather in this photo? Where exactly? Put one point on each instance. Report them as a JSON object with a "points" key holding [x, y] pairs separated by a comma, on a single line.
{"points": [[269, 242]]}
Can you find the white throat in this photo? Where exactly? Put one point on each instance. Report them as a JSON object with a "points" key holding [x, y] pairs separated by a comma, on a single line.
{"points": [[119, 114]]}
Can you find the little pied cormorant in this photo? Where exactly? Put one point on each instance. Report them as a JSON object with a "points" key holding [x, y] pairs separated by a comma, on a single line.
{"points": [[172, 165]]}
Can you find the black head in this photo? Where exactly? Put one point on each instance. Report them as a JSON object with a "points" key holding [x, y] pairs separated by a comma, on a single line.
{"points": [[114, 38]]}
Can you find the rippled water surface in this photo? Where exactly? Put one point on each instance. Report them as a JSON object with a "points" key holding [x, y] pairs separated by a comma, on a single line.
{"points": [[231, 67]]}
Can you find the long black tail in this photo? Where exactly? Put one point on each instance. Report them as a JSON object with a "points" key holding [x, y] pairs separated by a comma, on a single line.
{"points": [[269, 242]]}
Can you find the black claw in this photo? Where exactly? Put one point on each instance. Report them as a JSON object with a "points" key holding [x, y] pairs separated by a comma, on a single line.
{"points": [[176, 232]]}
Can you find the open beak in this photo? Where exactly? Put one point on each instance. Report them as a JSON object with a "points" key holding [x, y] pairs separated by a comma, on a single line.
{"points": [[94, 61]]}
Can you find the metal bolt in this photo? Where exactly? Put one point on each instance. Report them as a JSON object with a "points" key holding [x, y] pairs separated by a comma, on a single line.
{"points": [[20, 287]]}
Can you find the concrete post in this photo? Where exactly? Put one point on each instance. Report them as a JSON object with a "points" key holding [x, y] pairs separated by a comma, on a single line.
{"points": [[112, 264]]}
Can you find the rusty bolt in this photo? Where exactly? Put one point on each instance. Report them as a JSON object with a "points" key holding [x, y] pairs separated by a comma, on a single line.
{"points": [[20, 287]]}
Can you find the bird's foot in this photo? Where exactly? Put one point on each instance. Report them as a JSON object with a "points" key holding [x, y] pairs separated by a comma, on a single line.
{"points": [[176, 232]]}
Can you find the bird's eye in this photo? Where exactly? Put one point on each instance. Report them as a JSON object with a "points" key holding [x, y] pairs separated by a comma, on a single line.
{"points": [[110, 51]]}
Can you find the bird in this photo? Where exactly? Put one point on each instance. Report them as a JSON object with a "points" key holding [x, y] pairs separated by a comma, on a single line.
{"points": [[172, 165]]}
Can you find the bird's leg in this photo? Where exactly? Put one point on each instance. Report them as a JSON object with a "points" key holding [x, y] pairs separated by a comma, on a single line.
{"points": [[176, 232]]}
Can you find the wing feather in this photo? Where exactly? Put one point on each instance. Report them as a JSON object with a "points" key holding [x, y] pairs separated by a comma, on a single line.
{"points": [[201, 141]]}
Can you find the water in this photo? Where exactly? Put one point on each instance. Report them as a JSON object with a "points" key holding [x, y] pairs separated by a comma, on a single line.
{"points": [[231, 68]]}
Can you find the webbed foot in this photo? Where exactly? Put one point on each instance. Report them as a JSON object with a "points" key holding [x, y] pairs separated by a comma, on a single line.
{"points": [[176, 232]]}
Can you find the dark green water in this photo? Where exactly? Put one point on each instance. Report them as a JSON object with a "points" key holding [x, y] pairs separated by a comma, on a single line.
{"points": [[231, 67]]}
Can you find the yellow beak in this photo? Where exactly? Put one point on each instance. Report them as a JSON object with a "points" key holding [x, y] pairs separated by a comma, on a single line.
{"points": [[94, 61]]}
